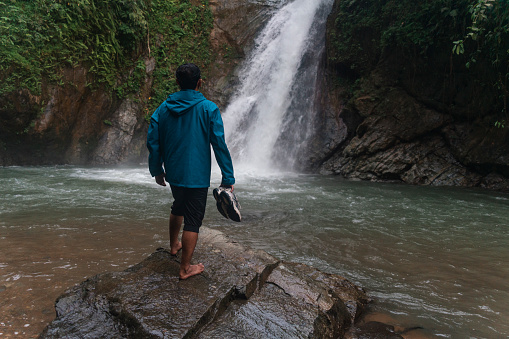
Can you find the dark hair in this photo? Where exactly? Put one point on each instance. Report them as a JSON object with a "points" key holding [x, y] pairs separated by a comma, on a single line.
{"points": [[188, 76]]}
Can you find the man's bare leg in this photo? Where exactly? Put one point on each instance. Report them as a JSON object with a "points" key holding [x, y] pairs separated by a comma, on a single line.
{"points": [[175, 225], [189, 240]]}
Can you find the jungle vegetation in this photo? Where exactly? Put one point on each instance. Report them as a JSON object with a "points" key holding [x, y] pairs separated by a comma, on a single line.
{"points": [[111, 38], [472, 36]]}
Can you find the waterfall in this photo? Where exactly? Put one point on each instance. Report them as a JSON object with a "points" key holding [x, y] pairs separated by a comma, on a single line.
{"points": [[270, 116]]}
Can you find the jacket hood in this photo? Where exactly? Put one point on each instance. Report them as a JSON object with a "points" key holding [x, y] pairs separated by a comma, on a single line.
{"points": [[179, 103]]}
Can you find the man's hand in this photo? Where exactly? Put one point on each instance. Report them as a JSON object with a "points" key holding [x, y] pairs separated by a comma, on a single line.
{"points": [[160, 179], [227, 186]]}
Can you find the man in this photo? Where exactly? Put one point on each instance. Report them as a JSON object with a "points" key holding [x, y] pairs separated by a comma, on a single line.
{"points": [[180, 134]]}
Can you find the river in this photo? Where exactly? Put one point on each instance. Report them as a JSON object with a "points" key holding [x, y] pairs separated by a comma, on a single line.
{"points": [[430, 257]]}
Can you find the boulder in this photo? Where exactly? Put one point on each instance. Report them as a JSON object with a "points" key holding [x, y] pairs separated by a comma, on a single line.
{"points": [[242, 293]]}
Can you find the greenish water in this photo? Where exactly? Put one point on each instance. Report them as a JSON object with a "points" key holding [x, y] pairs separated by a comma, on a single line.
{"points": [[431, 257]]}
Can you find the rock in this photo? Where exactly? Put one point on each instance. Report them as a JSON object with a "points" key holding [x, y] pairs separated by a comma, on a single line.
{"points": [[495, 181], [374, 330], [396, 117], [401, 139], [69, 123], [335, 124], [114, 145], [236, 23], [381, 325], [426, 162], [413, 122], [242, 294], [480, 145]]}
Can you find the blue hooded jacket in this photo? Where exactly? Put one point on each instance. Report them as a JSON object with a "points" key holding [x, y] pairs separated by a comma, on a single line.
{"points": [[180, 134]]}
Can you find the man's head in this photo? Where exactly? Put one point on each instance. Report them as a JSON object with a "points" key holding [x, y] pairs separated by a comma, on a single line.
{"points": [[188, 76]]}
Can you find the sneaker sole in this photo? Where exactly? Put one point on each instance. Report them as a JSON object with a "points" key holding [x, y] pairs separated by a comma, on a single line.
{"points": [[219, 203], [229, 200]]}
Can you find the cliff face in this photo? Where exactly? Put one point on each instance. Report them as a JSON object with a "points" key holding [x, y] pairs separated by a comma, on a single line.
{"points": [[384, 113], [70, 123], [418, 118], [236, 24]]}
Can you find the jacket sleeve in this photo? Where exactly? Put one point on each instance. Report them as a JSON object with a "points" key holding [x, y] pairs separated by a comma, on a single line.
{"points": [[155, 159], [221, 151]]}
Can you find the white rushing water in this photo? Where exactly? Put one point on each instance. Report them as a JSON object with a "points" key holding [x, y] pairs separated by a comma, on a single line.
{"points": [[273, 103]]}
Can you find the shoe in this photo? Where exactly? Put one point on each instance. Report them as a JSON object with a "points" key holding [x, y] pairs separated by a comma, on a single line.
{"points": [[227, 203], [229, 199], [221, 207]]}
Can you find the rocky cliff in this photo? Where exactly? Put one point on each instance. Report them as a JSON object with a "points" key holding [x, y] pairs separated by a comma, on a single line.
{"points": [[73, 125], [414, 116], [71, 122], [399, 112]]}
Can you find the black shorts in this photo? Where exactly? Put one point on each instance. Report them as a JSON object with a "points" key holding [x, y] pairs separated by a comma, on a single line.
{"points": [[190, 203]]}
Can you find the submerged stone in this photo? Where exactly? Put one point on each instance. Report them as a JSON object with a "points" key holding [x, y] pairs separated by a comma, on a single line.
{"points": [[374, 330]]}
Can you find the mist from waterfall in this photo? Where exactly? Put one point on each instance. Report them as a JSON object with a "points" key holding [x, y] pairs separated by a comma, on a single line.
{"points": [[270, 116]]}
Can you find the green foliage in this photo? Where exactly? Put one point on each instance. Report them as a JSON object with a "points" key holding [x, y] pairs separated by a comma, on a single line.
{"points": [[464, 43], [132, 82], [500, 124], [39, 37], [179, 33], [111, 38], [488, 38], [363, 30], [402, 23], [419, 24]]}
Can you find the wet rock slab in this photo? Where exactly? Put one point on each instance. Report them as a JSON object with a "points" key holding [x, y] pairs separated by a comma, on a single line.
{"points": [[242, 294]]}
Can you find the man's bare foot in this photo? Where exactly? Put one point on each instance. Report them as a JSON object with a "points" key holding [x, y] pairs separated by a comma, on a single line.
{"points": [[173, 251], [192, 270]]}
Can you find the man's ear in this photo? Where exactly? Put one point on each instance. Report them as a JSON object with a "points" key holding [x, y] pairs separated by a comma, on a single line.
{"points": [[198, 84], [178, 83]]}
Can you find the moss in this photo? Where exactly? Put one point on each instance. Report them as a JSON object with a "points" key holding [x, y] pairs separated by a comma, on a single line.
{"points": [[111, 38], [179, 33]]}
